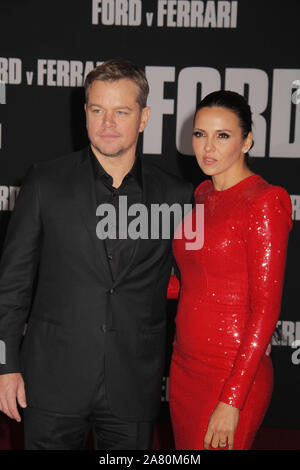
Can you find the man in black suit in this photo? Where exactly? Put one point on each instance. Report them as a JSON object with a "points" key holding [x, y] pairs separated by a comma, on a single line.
{"points": [[93, 352]]}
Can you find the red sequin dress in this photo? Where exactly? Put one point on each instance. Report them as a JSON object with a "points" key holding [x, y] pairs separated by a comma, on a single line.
{"points": [[229, 304]]}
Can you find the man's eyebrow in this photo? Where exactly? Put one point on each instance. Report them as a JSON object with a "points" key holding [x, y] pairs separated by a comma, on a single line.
{"points": [[115, 107]]}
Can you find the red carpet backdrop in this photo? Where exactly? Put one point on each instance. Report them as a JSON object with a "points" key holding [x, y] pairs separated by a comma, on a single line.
{"points": [[188, 48]]}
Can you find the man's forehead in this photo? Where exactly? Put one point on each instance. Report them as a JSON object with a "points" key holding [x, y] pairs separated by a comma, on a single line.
{"points": [[124, 88], [120, 83]]}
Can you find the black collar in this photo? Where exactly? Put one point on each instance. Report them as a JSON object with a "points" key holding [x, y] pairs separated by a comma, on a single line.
{"points": [[99, 172]]}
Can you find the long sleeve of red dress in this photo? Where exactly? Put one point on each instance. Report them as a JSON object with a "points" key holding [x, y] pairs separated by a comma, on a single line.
{"points": [[266, 235]]}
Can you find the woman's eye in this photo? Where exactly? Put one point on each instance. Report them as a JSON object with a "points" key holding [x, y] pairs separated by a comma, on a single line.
{"points": [[197, 134], [223, 135]]}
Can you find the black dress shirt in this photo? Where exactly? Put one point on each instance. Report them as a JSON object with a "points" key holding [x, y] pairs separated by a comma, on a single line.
{"points": [[119, 251]]}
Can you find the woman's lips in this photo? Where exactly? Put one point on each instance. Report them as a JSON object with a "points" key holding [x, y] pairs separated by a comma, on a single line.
{"points": [[209, 160]]}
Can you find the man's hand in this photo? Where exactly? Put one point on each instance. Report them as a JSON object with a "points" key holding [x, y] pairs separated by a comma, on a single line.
{"points": [[12, 389]]}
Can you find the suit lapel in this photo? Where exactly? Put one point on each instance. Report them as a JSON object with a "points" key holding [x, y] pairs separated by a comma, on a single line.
{"points": [[85, 197]]}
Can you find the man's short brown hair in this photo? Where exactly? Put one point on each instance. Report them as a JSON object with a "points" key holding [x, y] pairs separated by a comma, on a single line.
{"points": [[117, 69]]}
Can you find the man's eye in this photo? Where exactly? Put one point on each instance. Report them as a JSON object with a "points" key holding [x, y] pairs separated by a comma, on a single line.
{"points": [[96, 111], [197, 134]]}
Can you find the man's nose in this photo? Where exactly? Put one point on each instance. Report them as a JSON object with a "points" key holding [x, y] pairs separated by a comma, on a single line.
{"points": [[109, 118]]}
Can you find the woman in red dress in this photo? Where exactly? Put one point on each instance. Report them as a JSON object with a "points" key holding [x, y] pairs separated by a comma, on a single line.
{"points": [[221, 380]]}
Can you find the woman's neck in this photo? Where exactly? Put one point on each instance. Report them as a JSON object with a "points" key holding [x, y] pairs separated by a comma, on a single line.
{"points": [[225, 181]]}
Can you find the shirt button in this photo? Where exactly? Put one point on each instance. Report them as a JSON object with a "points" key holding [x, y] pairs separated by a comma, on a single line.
{"points": [[109, 256], [112, 290], [103, 328]]}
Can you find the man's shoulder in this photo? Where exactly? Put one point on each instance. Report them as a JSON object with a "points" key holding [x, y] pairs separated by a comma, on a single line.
{"points": [[161, 175], [64, 162], [165, 186]]}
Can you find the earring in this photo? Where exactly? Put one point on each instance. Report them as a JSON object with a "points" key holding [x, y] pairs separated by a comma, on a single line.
{"points": [[246, 150]]}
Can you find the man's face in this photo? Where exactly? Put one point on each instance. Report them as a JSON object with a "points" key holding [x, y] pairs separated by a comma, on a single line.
{"points": [[114, 118]]}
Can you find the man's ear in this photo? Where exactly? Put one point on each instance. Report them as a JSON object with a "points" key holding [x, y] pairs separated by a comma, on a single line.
{"points": [[145, 114]]}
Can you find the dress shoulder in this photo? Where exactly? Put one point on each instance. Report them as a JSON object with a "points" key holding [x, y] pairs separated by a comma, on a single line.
{"points": [[203, 188], [273, 199]]}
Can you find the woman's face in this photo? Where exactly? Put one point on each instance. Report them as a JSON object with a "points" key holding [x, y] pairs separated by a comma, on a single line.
{"points": [[218, 142]]}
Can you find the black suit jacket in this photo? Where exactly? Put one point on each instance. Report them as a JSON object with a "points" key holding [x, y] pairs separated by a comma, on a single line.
{"points": [[79, 315]]}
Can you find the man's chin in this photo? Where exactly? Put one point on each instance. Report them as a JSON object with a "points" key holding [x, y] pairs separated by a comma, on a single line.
{"points": [[108, 153]]}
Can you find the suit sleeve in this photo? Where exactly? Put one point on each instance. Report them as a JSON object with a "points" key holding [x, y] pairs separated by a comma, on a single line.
{"points": [[18, 266], [266, 238], [174, 282]]}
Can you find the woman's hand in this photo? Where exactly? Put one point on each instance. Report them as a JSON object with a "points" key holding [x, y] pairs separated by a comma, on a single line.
{"points": [[221, 426]]}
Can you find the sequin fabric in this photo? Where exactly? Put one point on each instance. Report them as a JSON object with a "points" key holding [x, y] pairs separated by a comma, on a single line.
{"points": [[229, 303]]}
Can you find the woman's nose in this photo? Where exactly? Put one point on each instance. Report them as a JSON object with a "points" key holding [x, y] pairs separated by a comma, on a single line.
{"points": [[209, 144]]}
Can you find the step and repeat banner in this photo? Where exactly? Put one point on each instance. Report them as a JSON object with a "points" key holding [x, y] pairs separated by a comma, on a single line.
{"points": [[188, 49]]}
